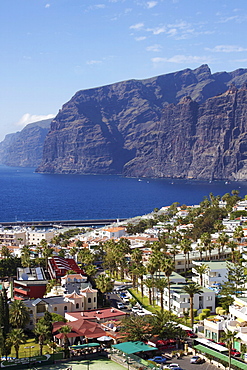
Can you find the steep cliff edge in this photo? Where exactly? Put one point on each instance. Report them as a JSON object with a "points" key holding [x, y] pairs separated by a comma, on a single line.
{"points": [[25, 148], [188, 124]]}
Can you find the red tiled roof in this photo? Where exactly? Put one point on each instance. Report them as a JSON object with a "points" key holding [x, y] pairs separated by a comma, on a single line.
{"points": [[80, 328]]}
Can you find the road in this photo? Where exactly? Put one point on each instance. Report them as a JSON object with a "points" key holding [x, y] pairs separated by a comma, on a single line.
{"points": [[185, 364]]}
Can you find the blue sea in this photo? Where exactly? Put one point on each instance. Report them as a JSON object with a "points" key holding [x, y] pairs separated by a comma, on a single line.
{"points": [[29, 196]]}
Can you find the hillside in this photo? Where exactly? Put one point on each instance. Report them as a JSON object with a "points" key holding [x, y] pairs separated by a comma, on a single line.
{"points": [[188, 124], [25, 148]]}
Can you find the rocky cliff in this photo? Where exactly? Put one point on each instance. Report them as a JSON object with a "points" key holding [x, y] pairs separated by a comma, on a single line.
{"points": [[188, 124], [25, 148]]}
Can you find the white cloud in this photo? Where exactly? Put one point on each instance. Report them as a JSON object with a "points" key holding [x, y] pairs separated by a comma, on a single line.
{"points": [[155, 47], [151, 4], [29, 118], [91, 62], [182, 59], [240, 60], [47, 5], [141, 38], [157, 30], [137, 26], [172, 32], [99, 6], [226, 49]]}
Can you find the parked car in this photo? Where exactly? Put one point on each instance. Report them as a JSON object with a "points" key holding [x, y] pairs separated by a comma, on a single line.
{"points": [[120, 305], [122, 294], [191, 334], [125, 300], [235, 353], [196, 360], [171, 366], [135, 309], [158, 359]]}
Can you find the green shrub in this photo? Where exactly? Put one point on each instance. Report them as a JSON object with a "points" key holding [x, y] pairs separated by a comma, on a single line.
{"points": [[218, 309], [202, 316], [206, 311], [222, 312]]}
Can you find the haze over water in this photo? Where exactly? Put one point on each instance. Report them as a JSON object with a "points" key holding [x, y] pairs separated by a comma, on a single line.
{"points": [[29, 196]]}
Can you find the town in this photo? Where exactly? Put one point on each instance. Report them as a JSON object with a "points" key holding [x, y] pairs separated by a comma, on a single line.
{"points": [[169, 284]]}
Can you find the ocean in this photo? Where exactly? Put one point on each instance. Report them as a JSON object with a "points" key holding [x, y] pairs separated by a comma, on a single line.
{"points": [[29, 196]]}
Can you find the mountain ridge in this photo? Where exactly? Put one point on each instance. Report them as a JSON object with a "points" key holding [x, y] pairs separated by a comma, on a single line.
{"points": [[149, 127]]}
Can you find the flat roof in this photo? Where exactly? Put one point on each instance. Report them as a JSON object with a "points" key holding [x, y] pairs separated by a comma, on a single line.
{"points": [[212, 345], [220, 356]]}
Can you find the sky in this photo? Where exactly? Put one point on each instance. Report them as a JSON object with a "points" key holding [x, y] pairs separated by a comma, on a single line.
{"points": [[50, 49]]}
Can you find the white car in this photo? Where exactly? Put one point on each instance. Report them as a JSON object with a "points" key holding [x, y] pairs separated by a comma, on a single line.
{"points": [[120, 305], [135, 309]]}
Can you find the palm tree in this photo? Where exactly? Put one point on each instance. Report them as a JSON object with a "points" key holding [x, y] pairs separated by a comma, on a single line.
{"points": [[233, 246], [185, 246], [65, 330], [141, 272], [201, 269], [161, 284], [104, 284], [168, 266], [238, 233], [222, 239], [192, 288], [152, 267], [18, 313], [5, 252], [42, 331], [174, 250], [15, 338], [206, 241], [228, 338], [25, 256], [149, 285]]}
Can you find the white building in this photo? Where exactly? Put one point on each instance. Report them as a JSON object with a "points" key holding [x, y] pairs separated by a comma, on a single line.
{"points": [[12, 237], [215, 274], [74, 302], [112, 232], [35, 237], [180, 300]]}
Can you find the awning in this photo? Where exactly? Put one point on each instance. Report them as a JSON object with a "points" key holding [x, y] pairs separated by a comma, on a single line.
{"points": [[133, 347], [220, 356], [86, 345]]}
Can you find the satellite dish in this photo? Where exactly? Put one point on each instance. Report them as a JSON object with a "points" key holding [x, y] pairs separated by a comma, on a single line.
{"points": [[24, 276]]}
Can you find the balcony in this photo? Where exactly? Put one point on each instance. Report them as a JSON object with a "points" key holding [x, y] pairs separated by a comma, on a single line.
{"points": [[238, 312], [215, 324], [234, 325]]}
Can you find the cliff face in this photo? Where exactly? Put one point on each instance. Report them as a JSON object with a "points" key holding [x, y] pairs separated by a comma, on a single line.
{"points": [[189, 124], [25, 148]]}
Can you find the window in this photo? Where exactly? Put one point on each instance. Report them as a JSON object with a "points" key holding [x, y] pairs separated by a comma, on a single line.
{"points": [[89, 300], [94, 299], [82, 304], [77, 305], [41, 308], [65, 308], [209, 298], [55, 309]]}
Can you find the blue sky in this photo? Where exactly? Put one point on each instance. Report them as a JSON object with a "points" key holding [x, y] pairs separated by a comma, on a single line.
{"points": [[50, 49]]}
